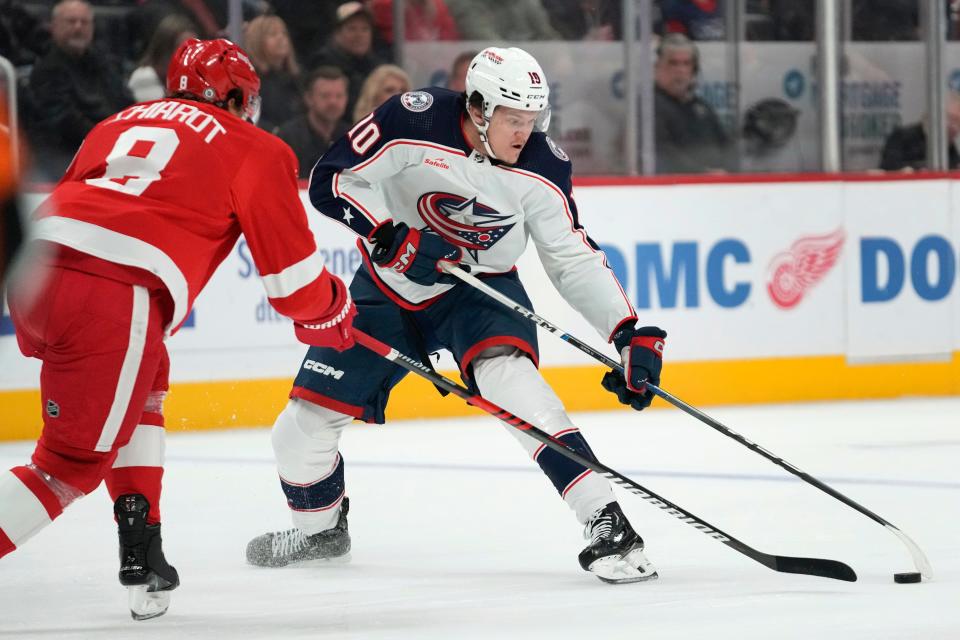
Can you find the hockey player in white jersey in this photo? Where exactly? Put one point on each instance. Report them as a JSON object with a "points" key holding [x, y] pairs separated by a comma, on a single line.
{"points": [[434, 177]]}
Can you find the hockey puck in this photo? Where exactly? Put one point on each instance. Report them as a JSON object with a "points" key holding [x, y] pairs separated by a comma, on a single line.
{"points": [[907, 578]]}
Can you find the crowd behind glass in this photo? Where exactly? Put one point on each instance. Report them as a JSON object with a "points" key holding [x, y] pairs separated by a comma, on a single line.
{"points": [[325, 64]]}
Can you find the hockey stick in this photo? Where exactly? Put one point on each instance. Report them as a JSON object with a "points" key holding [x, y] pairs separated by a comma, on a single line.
{"points": [[919, 559], [785, 564]]}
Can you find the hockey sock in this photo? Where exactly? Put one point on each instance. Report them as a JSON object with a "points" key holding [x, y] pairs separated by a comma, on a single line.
{"points": [[305, 441], [507, 377], [138, 467], [30, 499]]}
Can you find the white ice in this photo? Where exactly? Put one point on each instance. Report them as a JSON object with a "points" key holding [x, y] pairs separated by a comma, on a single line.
{"points": [[457, 535]]}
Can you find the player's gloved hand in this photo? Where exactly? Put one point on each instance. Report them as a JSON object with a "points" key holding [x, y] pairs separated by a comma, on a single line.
{"points": [[414, 253], [641, 351], [334, 329]]}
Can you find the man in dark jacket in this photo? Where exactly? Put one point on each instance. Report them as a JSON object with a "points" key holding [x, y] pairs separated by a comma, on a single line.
{"points": [[310, 134], [689, 135], [350, 48], [73, 88]]}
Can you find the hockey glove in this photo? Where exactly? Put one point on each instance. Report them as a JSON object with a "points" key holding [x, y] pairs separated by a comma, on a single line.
{"points": [[335, 329], [641, 351], [415, 254]]}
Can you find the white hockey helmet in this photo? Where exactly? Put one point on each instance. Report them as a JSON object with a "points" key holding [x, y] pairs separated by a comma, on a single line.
{"points": [[508, 78]]}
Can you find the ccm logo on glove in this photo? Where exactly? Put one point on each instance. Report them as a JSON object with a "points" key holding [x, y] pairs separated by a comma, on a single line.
{"points": [[406, 259]]}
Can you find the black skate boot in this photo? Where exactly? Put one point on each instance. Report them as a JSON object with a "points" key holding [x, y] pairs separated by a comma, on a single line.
{"points": [[615, 552], [143, 569], [280, 548]]}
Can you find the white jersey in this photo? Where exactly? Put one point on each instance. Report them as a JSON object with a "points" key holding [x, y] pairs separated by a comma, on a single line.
{"points": [[409, 161]]}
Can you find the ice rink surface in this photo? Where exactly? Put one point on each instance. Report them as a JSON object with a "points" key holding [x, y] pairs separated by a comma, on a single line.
{"points": [[456, 534]]}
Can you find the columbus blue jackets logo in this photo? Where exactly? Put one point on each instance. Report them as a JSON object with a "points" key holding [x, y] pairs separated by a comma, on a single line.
{"points": [[416, 101], [465, 223]]}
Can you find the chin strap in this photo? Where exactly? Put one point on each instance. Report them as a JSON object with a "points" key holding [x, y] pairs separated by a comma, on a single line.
{"points": [[483, 138], [482, 130]]}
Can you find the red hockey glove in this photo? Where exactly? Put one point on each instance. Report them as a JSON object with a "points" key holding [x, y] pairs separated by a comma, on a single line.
{"points": [[641, 351], [335, 329], [416, 254]]}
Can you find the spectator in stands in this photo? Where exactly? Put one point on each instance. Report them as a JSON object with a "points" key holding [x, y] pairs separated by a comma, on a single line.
{"points": [[586, 19], [350, 48], [74, 86], [310, 134], [689, 136], [510, 20], [905, 149], [386, 81], [22, 38], [268, 43], [422, 20], [148, 81], [457, 78], [696, 19]]}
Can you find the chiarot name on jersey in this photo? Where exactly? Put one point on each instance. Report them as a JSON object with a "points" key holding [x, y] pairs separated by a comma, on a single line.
{"points": [[171, 110]]}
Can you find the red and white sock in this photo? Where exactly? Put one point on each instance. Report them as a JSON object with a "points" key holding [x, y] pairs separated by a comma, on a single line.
{"points": [[139, 465], [29, 500]]}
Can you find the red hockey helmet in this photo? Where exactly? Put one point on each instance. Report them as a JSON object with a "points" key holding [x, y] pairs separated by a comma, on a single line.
{"points": [[211, 69]]}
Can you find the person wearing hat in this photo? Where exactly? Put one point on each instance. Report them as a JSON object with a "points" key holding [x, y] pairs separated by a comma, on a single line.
{"points": [[350, 48]]}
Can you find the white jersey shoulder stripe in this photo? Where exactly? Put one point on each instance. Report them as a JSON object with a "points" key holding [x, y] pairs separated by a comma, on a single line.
{"points": [[119, 248], [294, 277]]}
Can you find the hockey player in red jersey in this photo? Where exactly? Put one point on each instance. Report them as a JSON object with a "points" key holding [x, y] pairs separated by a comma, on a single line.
{"points": [[433, 177], [154, 200]]}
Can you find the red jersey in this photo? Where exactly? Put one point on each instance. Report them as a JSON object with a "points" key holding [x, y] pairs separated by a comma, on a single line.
{"points": [[167, 187]]}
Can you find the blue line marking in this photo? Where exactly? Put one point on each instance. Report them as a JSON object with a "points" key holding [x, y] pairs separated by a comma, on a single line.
{"points": [[638, 473]]}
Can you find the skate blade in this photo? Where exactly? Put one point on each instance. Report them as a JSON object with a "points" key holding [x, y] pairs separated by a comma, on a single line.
{"points": [[296, 564], [633, 567], [322, 562], [145, 604]]}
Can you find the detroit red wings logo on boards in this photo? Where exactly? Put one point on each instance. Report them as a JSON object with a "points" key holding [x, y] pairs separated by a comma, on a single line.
{"points": [[807, 262], [464, 222]]}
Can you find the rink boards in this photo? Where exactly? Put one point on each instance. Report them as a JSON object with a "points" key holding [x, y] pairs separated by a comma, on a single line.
{"points": [[804, 288]]}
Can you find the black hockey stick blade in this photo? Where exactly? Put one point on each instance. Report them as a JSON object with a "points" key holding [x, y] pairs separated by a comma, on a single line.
{"points": [[815, 567]]}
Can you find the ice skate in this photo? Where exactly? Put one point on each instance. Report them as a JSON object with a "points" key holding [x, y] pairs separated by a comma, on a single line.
{"points": [[143, 569], [615, 552], [280, 548]]}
